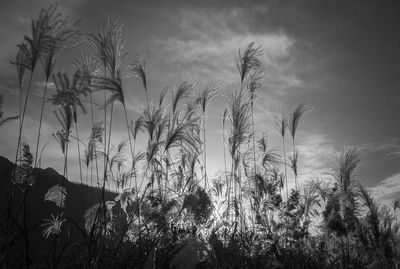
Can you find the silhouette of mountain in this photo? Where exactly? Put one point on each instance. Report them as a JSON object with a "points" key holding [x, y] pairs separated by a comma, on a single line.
{"points": [[79, 199]]}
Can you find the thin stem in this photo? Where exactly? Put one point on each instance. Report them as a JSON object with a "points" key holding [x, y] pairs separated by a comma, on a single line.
{"points": [[110, 128], [39, 131], [95, 150], [133, 156], [133, 162], [234, 187], [228, 182], [18, 145], [80, 162], [20, 116], [105, 161], [295, 175], [130, 145], [65, 172], [284, 160], [254, 144], [23, 119], [205, 153], [40, 122], [147, 101]]}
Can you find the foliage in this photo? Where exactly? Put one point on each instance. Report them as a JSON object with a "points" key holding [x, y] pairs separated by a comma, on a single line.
{"points": [[56, 194], [199, 204]]}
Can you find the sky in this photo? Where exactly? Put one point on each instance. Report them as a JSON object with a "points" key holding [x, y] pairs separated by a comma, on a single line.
{"points": [[343, 57]]}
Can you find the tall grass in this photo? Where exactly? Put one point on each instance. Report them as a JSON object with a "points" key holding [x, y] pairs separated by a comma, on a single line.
{"points": [[169, 218]]}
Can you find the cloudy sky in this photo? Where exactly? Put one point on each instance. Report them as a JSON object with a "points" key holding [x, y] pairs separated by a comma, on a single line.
{"points": [[343, 57]]}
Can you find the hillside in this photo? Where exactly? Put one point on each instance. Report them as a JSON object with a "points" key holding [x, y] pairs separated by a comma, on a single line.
{"points": [[38, 210]]}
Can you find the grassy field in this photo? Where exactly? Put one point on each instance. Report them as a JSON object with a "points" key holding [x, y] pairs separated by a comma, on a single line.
{"points": [[154, 205]]}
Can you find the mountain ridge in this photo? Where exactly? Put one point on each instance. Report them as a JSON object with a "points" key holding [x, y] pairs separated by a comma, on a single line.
{"points": [[79, 198]]}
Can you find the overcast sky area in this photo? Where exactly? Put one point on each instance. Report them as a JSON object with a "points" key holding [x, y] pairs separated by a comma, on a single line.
{"points": [[343, 57]]}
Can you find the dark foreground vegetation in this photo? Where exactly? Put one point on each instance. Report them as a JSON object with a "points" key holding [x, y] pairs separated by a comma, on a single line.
{"points": [[154, 205]]}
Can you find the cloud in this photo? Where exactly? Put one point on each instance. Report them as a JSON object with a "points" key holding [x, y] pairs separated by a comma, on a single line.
{"points": [[393, 154], [391, 146], [317, 154], [208, 45], [23, 20], [387, 190]]}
